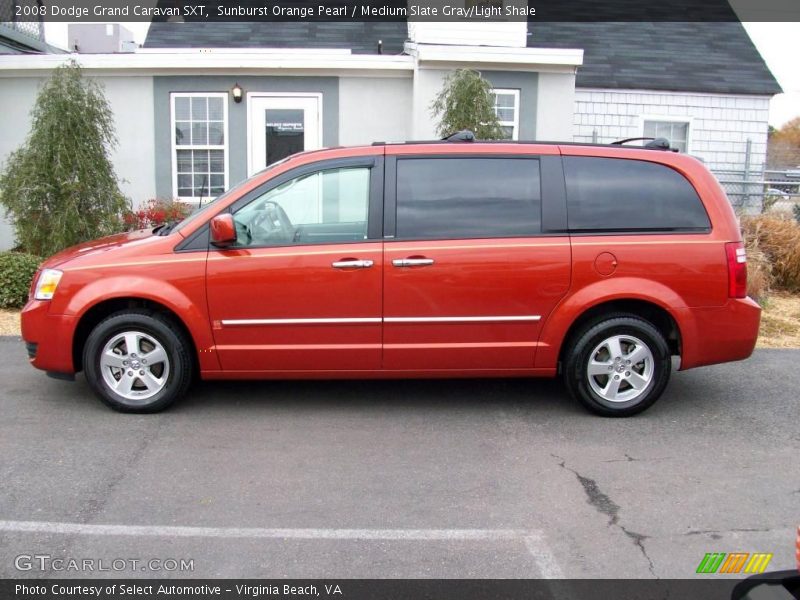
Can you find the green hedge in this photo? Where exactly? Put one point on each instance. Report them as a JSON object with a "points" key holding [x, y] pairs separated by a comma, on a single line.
{"points": [[16, 272]]}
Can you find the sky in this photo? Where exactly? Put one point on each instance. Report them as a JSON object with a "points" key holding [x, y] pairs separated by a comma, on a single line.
{"points": [[779, 44]]}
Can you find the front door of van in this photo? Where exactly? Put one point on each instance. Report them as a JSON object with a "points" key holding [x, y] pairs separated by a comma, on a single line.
{"points": [[301, 288], [469, 278]]}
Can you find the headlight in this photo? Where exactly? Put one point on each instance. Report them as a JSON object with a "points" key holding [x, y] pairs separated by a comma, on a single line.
{"points": [[47, 284]]}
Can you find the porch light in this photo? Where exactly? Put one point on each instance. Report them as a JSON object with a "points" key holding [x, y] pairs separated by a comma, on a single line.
{"points": [[236, 92]]}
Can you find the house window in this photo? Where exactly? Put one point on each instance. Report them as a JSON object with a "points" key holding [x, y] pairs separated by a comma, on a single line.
{"points": [[199, 146], [506, 107], [677, 132]]}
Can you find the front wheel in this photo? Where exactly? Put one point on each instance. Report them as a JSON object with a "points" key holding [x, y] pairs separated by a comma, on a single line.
{"points": [[618, 367], [136, 361]]}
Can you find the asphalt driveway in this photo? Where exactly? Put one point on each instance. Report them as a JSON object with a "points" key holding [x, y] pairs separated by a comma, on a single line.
{"points": [[453, 479]]}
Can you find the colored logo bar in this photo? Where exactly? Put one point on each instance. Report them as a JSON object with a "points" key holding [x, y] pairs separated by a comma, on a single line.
{"points": [[734, 562]]}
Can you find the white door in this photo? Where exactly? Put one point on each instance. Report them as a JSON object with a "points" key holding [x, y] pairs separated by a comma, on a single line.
{"points": [[281, 125]]}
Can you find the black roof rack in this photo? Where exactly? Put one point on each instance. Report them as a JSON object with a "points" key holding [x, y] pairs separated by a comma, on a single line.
{"points": [[659, 143], [466, 135]]}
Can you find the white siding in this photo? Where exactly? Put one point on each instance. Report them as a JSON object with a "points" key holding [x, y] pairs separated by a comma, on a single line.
{"points": [[556, 94], [16, 101], [131, 100], [374, 110], [427, 84], [720, 125], [483, 33]]}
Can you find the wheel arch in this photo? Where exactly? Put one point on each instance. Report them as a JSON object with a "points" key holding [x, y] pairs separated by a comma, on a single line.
{"points": [[92, 316], [639, 296], [651, 312]]}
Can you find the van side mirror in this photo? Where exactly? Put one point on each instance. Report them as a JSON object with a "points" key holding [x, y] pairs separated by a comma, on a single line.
{"points": [[223, 230]]}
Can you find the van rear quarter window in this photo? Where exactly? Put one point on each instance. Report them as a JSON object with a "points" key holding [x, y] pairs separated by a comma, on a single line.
{"points": [[451, 198], [613, 194]]}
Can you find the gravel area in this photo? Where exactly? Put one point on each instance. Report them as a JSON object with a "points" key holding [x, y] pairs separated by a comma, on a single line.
{"points": [[9, 322]]}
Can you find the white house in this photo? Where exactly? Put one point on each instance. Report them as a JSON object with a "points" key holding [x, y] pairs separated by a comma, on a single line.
{"points": [[702, 85], [203, 105]]}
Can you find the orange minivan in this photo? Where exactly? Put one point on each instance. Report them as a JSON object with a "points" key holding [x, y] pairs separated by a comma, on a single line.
{"points": [[422, 259]]}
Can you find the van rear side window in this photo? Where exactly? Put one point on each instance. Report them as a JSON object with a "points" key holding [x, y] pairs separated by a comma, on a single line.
{"points": [[613, 194], [452, 198]]}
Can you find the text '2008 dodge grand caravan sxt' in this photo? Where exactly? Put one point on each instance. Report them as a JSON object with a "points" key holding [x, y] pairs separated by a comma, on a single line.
{"points": [[414, 260]]}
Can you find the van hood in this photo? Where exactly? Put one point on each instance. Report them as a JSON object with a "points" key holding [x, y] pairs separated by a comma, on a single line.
{"points": [[111, 243]]}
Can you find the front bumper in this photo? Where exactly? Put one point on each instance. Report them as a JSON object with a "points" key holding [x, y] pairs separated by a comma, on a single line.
{"points": [[48, 338]]}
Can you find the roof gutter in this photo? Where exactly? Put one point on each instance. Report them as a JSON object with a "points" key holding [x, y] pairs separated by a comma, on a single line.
{"points": [[174, 62], [527, 59]]}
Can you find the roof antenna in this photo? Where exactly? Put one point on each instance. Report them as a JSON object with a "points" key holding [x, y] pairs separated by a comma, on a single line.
{"points": [[202, 190], [380, 46]]}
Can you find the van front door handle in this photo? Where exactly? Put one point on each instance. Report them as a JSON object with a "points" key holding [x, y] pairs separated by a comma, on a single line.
{"points": [[412, 262], [352, 263]]}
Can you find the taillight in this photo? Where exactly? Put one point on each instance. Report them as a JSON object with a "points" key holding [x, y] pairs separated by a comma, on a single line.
{"points": [[737, 269]]}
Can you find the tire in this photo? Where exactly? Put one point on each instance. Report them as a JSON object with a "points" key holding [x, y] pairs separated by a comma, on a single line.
{"points": [[597, 372], [127, 383]]}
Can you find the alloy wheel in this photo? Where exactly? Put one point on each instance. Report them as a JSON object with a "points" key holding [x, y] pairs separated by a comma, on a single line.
{"points": [[620, 368], [134, 365]]}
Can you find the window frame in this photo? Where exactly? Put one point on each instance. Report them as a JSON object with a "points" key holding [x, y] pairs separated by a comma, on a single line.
{"points": [[320, 173], [672, 230], [515, 123], [683, 120], [552, 195], [199, 239], [174, 146]]}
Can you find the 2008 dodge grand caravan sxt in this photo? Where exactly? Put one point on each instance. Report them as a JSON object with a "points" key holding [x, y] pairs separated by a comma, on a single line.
{"points": [[444, 259]]}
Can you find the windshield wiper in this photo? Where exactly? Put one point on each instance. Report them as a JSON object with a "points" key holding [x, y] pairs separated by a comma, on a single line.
{"points": [[164, 228]]}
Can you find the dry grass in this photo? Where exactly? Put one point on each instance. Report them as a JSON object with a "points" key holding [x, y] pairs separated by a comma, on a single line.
{"points": [[780, 322], [778, 238], [759, 269]]}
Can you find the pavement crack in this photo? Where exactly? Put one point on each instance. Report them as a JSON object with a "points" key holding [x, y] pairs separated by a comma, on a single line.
{"points": [[596, 498], [97, 501], [712, 532], [603, 503], [639, 539], [629, 458]]}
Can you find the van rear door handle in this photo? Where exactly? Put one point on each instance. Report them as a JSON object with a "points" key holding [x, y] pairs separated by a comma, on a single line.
{"points": [[412, 262], [352, 263]]}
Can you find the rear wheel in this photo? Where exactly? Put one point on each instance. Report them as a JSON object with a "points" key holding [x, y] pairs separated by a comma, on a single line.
{"points": [[618, 367], [136, 361]]}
